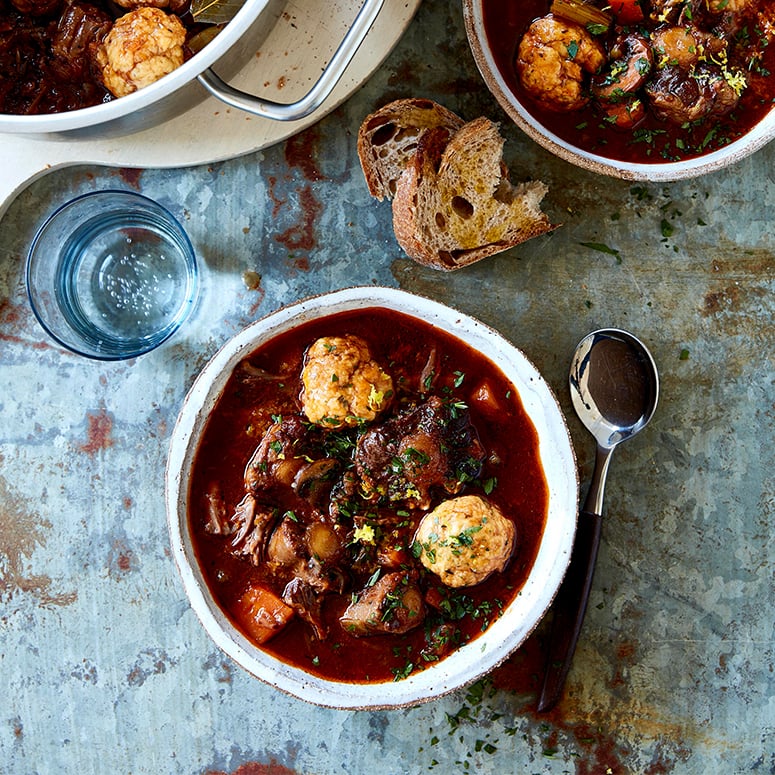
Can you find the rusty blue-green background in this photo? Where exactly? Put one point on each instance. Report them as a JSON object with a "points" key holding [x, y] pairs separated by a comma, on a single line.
{"points": [[104, 667]]}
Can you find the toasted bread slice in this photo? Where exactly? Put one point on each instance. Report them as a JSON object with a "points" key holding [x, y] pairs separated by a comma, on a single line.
{"points": [[454, 204], [388, 139]]}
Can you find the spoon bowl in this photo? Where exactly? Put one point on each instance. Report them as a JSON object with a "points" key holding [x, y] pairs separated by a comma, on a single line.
{"points": [[614, 386]]}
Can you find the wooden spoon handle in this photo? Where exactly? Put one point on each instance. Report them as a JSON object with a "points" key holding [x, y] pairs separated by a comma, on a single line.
{"points": [[569, 607]]}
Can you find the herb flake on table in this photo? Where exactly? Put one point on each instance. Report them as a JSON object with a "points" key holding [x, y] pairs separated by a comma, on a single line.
{"points": [[601, 247]]}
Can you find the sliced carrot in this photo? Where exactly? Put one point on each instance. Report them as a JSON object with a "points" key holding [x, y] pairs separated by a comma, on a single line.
{"points": [[627, 11], [261, 613], [486, 401]]}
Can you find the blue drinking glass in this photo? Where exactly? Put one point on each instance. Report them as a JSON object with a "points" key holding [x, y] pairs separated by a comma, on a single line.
{"points": [[111, 275]]}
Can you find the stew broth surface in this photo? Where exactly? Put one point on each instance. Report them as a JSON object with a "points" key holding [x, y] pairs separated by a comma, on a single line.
{"points": [[512, 478]]}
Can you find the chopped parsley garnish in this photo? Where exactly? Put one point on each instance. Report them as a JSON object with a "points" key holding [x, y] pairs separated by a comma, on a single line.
{"points": [[400, 673], [488, 485]]}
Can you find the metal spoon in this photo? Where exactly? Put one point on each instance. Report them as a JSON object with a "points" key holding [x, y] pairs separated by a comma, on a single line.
{"points": [[614, 387]]}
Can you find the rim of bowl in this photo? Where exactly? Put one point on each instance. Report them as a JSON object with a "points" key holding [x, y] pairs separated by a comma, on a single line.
{"points": [[119, 107], [151, 343], [504, 635], [759, 135]]}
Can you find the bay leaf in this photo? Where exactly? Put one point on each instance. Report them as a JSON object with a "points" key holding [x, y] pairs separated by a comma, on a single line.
{"points": [[215, 11]]}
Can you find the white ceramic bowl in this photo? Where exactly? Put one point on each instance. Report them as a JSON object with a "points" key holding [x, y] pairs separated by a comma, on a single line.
{"points": [[759, 135], [506, 633]]}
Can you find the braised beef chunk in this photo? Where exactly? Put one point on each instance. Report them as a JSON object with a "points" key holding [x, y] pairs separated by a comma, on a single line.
{"points": [[679, 99], [287, 547], [285, 449], [304, 558], [440, 641], [393, 604], [307, 551], [217, 522], [314, 480], [78, 31], [307, 603], [22, 55], [293, 457], [33, 78], [253, 524], [36, 7], [406, 457]]}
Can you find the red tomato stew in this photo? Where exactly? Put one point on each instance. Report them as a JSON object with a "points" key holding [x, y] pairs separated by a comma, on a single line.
{"points": [[367, 496], [643, 81]]}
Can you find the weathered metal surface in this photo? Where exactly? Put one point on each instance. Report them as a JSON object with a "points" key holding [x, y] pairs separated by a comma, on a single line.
{"points": [[103, 666]]}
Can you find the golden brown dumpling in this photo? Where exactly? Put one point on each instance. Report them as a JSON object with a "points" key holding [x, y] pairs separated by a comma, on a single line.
{"points": [[464, 540], [141, 47], [343, 385]]}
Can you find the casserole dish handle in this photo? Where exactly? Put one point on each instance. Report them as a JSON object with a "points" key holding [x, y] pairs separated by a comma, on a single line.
{"points": [[312, 100]]}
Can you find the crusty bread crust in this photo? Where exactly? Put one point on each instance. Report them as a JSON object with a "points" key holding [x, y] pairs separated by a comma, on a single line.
{"points": [[388, 138], [454, 204]]}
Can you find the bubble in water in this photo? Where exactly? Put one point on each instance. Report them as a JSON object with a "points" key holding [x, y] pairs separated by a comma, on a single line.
{"points": [[129, 286]]}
